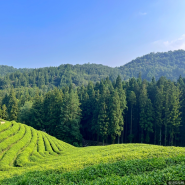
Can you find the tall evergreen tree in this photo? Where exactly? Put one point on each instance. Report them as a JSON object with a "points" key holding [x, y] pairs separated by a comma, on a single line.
{"points": [[142, 102], [4, 113], [37, 112], [116, 123], [103, 119], [69, 129], [132, 102], [158, 105], [174, 112], [149, 120], [12, 106]]}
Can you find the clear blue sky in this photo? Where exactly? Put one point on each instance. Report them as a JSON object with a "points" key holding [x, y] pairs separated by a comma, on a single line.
{"points": [[41, 33]]}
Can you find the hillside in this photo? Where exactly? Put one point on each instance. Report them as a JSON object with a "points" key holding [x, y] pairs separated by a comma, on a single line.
{"points": [[169, 64], [28, 156], [4, 70]]}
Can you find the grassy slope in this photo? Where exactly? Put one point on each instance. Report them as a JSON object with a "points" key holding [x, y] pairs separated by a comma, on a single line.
{"points": [[57, 161]]}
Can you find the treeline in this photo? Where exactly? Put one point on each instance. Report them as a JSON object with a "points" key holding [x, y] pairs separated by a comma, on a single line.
{"points": [[135, 111], [169, 64], [50, 77], [4, 70]]}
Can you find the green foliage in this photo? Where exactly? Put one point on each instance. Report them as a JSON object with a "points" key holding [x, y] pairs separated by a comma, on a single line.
{"points": [[70, 118], [47, 145], [169, 64], [23, 158], [53, 145], [4, 113], [7, 133], [116, 121], [12, 106], [40, 144], [10, 154], [10, 140], [127, 164], [5, 126], [24, 113]]}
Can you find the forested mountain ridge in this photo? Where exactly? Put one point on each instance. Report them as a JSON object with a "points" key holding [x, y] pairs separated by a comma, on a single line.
{"points": [[4, 70], [169, 64]]}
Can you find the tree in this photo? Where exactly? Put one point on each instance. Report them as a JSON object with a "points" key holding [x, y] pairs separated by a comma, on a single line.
{"points": [[24, 115], [149, 120], [142, 102], [103, 120], [132, 102], [37, 112], [12, 106], [4, 113], [158, 107], [174, 112], [118, 82], [116, 123], [69, 129]]}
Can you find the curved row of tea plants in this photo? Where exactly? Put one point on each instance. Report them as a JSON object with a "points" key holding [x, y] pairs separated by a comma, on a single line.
{"points": [[19, 144], [11, 154], [23, 157], [143, 171], [27, 150], [5, 126], [7, 133]]}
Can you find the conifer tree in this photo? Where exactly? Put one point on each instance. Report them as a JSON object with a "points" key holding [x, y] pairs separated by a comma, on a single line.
{"points": [[12, 106], [166, 116], [149, 120], [24, 115], [69, 129], [142, 102], [95, 126], [132, 102], [116, 123], [123, 103], [158, 105], [118, 82], [174, 111], [37, 112], [103, 119], [4, 113]]}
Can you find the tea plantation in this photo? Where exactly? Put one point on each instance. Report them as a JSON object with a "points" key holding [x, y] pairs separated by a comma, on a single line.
{"points": [[28, 156]]}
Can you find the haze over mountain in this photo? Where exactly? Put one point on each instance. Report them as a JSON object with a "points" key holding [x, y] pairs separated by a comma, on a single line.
{"points": [[169, 64]]}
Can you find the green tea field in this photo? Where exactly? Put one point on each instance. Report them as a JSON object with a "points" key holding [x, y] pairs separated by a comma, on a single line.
{"points": [[28, 156]]}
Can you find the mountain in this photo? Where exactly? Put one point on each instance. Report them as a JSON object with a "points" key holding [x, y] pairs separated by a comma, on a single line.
{"points": [[169, 64], [4, 70]]}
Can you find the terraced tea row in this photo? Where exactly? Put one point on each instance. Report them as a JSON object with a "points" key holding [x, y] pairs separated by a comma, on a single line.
{"points": [[18, 141], [143, 171], [24, 150]]}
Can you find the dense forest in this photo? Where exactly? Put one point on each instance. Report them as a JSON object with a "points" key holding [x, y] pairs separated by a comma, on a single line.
{"points": [[4, 70], [169, 64], [135, 111]]}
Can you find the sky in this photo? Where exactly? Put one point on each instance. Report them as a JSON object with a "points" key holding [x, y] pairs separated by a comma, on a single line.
{"points": [[43, 33]]}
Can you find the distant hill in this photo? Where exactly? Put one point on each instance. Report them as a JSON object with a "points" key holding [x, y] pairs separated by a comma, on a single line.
{"points": [[169, 64], [4, 70]]}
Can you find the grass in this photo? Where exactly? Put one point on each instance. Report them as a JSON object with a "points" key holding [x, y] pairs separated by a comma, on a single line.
{"points": [[29, 156]]}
